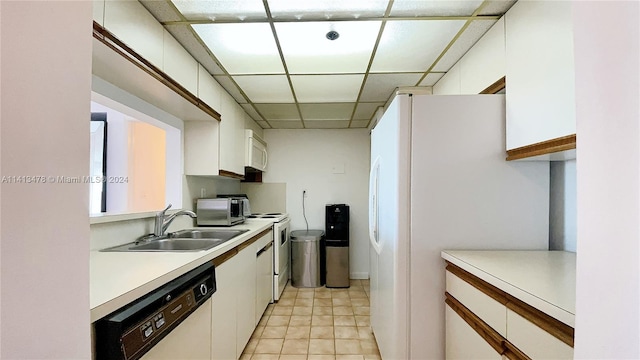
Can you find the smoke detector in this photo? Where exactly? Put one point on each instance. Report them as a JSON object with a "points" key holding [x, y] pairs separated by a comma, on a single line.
{"points": [[332, 35]]}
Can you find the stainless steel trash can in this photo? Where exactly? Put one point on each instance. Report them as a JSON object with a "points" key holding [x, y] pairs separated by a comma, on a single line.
{"points": [[307, 260]]}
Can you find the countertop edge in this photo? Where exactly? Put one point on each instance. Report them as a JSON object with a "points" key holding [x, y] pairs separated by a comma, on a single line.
{"points": [[99, 311], [529, 298]]}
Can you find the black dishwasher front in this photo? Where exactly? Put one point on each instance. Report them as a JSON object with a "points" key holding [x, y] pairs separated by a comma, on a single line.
{"points": [[131, 331]]}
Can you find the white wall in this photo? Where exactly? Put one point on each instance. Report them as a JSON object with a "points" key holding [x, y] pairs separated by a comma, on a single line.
{"points": [[45, 89], [306, 160], [608, 168], [562, 206]]}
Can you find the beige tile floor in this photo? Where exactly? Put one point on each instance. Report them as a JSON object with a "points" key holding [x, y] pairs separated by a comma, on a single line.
{"points": [[316, 324]]}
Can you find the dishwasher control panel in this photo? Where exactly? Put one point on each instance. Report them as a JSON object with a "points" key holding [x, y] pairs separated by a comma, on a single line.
{"points": [[129, 333]]}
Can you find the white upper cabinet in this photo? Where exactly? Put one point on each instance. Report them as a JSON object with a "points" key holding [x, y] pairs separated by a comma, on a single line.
{"points": [[130, 22], [179, 64], [201, 152], [540, 96], [209, 90], [231, 136]]}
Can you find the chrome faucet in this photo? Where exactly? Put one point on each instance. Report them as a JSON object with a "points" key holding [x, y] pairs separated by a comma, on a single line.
{"points": [[163, 221]]}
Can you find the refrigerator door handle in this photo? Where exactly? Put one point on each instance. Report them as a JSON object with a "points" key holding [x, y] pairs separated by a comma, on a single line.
{"points": [[374, 236]]}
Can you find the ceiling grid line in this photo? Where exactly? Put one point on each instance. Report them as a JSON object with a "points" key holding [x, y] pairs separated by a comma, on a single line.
{"points": [[373, 55], [280, 68], [455, 38]]}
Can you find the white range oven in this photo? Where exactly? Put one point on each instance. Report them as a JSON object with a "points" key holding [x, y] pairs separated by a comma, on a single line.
{"points": [[281, 246]]}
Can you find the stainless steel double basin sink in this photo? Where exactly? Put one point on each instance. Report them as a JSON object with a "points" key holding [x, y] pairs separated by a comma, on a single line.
{"points": [[183, 240]]}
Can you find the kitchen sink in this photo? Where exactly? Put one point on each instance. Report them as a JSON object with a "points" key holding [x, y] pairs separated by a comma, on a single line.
{"points": [[207, 234], [183, 240]]}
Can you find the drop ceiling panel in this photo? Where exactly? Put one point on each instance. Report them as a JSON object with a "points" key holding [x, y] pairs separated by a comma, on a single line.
{"points": [[161, 10], [328, 111], [434, 8], [468, 38], [414, 45], [327, 88], [263, 124], [326, 9], [364, 111], [242, 48], [252, 112], [231, 88], [326, 124], [359, 123], [279, 111], [221, 9], [431, 79], [284, 124], [380, 86], [189, 41], [266, 88], [307, 50], [497, 7]]}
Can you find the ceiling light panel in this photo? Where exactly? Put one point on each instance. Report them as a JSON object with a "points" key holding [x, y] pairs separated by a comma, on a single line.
{"points": [[380, 86], [431, 79], [190, 42], [279, 111], [266, 88], [231, 88], [242, 48], [329, 111], [221, 9], [469, 37], [326, 124], [409, 46], [327, 88], [434, 8], [364, 111], [326, 9], [307, 50], [283, 124]]}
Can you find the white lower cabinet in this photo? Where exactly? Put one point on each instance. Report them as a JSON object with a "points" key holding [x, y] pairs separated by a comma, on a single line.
{"points": [[463, 342], [264, 279], [235, 304], [533, 341], [223, 334], [191, 340]]}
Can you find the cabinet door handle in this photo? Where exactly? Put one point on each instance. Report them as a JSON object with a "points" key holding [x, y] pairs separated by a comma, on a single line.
{"points": [[269, 245]]}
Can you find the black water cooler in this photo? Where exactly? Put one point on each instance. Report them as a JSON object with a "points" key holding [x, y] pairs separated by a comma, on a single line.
{"points": [[337, 245]]}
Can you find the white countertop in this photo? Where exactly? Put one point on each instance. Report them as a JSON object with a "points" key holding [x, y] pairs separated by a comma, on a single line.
{"points": [[118, 278], [545, 280]]}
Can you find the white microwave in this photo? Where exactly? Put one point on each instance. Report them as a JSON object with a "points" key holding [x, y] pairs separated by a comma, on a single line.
{"points": [[255, 151]]}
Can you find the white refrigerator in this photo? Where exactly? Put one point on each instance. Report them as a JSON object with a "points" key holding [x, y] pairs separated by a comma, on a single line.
{"points": [[439, 180]]}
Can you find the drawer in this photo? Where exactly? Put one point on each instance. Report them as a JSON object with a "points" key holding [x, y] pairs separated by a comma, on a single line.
{"points": [[491, 311], [463, 342], [534, 341]]}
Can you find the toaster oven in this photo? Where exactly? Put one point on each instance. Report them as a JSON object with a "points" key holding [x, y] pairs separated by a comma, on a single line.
{"points": [[220, 211]]}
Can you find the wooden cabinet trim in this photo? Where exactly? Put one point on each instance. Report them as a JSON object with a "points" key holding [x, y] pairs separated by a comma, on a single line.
{"points": [[542, 148], [497, 86], [485, 331], [488, 289], [221, 259], [512, 352], [230, 174], [553, 326], [111, 41]]}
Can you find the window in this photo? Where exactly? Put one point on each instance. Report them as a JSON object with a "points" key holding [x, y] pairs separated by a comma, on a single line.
{"points": [[143, 170]]}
